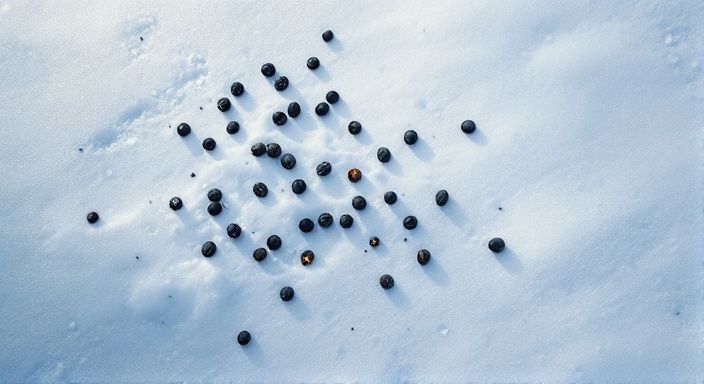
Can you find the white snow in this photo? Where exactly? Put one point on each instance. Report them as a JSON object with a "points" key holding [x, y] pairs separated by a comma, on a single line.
{"points": [[589, 140]]}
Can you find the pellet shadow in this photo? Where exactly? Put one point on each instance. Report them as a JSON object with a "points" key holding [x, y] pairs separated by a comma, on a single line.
{"points": [[322, 73], [399, 208], [342, 109], [253, 351], [186, 216], [297, 307], [509, 261], [246, 101], [455, 212], [422, 150], [393, 166], [436, 272], [241, 136], [193, 143], [363, 136], [335, 45], [216, 153], [477, 137], [396, 295]]}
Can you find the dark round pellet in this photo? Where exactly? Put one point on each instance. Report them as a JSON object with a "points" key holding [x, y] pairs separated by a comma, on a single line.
{"points": [[322, 109], [294, 109], [208, 249], [410, 137], [354, 127], [268, 70], [243, 338], [183, 129], [288, 161], [237, 88], [298, 186], [374, 241], [497, 244], [325, 220], [327, 35], [259, 254], [234, 230], [468, 126], [286, 293], [260, 190], [359, 202], [332, 97], [273, 150], [214, 209], [233, 127], [224, 104], [92, 217], [281, 83], [313, 63], [209, 144], [383, 154], [214, 195], [410, 222], [354, 175], [279, 118], [258, 149], [390, 197], [306, 225], [176, 203], [346, 221], [323, 169], [442, 197], [423, 257], [386, 281], [307, 257], [273, 242]]}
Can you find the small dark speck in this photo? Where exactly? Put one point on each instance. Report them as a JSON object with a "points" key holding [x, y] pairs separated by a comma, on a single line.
{"points": [[246, 163], [365, 251], [169, 125], [141, 38], [80, 149], [163, 322], [677, 313], [501, 209], [170, 296], [201, 108], [150, 201], [136, 257], [252, 232], [193, 175], [405, 239], [352, 329]]}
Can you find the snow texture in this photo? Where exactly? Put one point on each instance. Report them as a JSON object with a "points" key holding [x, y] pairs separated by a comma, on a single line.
{"points": [[586, 160]]}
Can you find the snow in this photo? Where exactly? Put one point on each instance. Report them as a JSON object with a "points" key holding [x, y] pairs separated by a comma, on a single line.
{"points": [[587, 161]]}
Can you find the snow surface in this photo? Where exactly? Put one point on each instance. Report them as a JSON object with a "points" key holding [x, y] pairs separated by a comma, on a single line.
{"points": [[587, 161]]}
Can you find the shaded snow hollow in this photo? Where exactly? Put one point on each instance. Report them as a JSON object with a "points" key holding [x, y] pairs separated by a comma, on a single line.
{"points": [[587, 161]]}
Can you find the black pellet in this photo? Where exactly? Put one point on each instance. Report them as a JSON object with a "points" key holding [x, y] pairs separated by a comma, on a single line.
{"points": [[390, 197], [346, 221], [410, 222], [322, 109], [243, 338], [288, 161], [410, 137], [306, 225], [273, 150], [224, 104], [279, 118], [323, 169], [214, 195], [281, 83], [423, 257], [307, 257], [497, 244], [258, 149], [386, 281], [327, 35], [183, 129], [175, 203], [294, 109], [442, 197], [260, 190], [234, 230], [313, 63], [273, 242], [359, 202], [208, 249], [92, 217], [233, 127], [237, 88], [354, 175], [325, 220], [259, 254], [214, 209], [374, 241], [298, 186], [268, 70], [332, 97], [209, 144], [354, 127], [286, 293], [383, 154], [468, 126]]}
